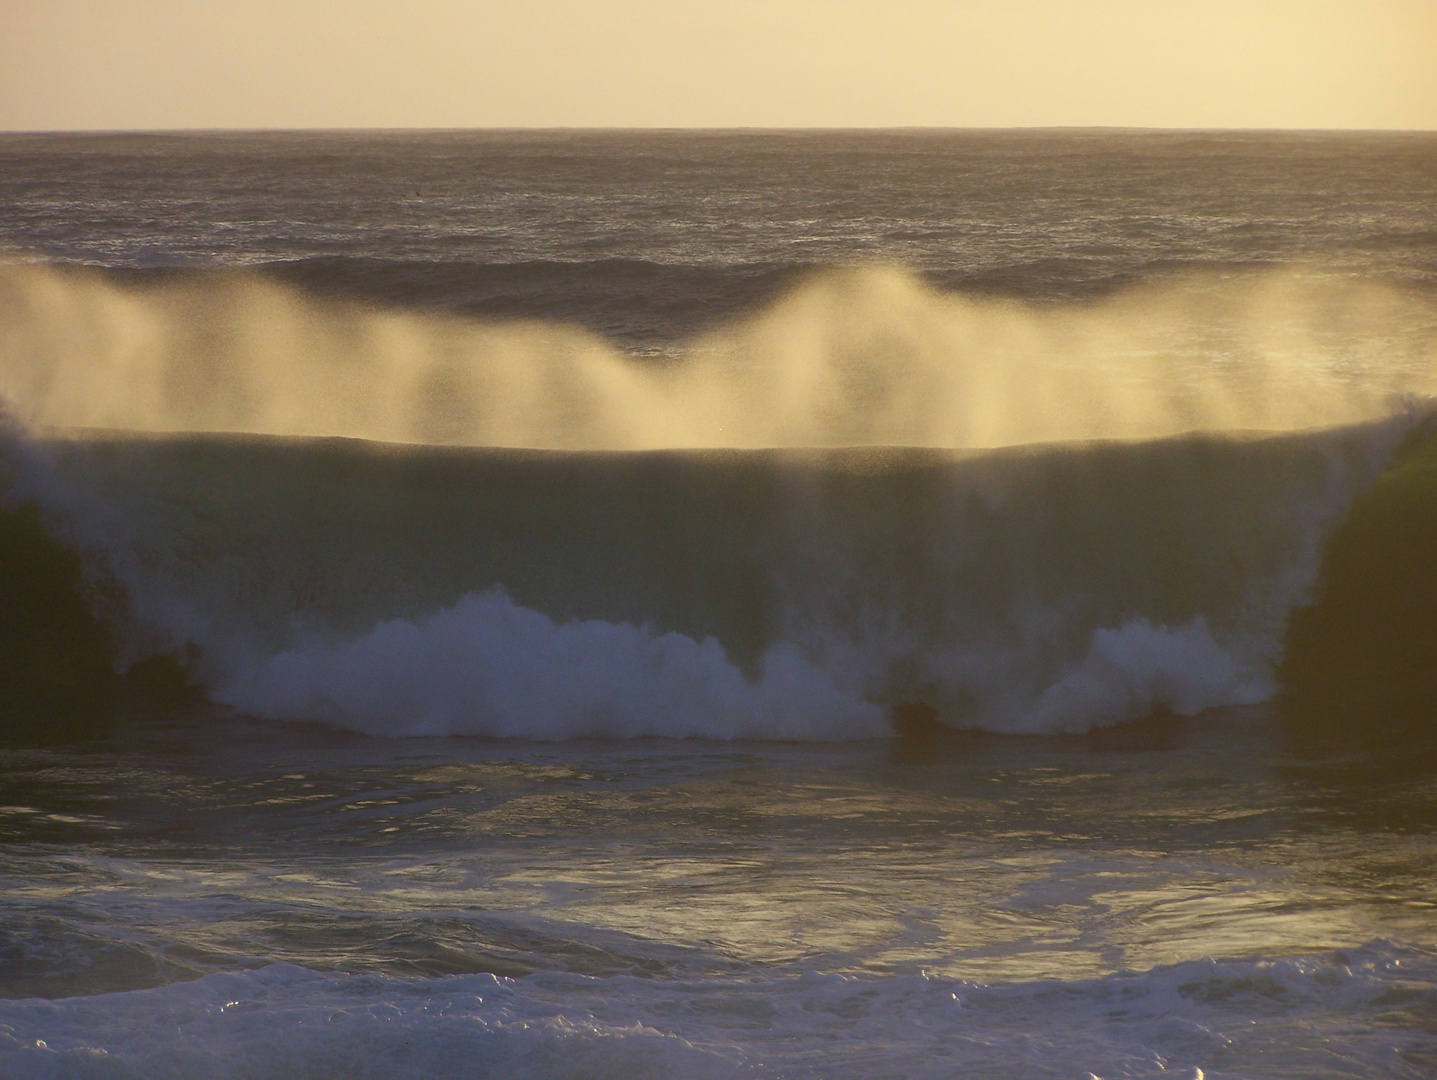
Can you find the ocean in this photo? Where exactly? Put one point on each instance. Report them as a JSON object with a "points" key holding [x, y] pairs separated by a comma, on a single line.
{"points": [[898, 604]]}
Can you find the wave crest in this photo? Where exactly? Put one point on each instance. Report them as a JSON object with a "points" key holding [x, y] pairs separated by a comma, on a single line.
{"points": [[867, 355]]}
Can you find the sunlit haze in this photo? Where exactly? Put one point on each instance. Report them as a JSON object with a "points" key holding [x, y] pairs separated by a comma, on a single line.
{"points": [[87, 64]]}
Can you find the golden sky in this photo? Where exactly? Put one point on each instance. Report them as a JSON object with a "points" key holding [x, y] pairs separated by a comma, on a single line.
{"points": [[102, 64]]}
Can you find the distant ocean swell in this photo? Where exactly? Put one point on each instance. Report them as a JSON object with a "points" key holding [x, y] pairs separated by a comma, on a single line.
{"points": [[783, 531]]}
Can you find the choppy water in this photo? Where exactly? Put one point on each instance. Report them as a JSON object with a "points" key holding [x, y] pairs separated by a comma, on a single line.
{"points": [[919, 604], [211, 897]]}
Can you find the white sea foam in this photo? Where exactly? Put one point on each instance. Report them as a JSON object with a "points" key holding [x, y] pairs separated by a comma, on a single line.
{"points": [[1324, 1016], [1137, 669], [489, 667]]}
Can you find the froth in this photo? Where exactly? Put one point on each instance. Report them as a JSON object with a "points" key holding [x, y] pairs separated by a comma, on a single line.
{"points": [[489, 667], [1137, 669], [1170, 1021]]}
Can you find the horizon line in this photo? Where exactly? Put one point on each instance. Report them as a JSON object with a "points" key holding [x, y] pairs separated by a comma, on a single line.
{"points": [[736, 129]]}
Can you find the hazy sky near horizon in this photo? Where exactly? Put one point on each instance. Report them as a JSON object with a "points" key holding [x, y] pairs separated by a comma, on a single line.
{"points": [[139, 64]]}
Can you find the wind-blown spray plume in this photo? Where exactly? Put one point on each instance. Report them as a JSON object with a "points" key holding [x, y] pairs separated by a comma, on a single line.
{"points": [[862, 356]]}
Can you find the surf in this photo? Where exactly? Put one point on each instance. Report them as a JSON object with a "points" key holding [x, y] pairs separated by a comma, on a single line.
{"points": [[868, 495], [778, 594]]}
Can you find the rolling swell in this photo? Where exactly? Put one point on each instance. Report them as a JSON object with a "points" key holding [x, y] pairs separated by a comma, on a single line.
{"points": [[795, 594]]}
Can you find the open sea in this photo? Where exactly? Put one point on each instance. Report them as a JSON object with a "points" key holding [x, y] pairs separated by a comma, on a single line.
{"points": [[741, 605]]}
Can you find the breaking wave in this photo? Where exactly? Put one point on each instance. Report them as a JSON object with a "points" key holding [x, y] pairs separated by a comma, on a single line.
{"points": [[1026, 518], [737, 594]]}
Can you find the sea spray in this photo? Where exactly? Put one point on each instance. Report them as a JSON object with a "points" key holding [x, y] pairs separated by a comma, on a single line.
{"points": [[858, 356]]}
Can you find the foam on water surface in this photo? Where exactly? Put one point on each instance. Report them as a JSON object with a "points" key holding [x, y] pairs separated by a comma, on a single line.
{"points": [[1331, 1016]]}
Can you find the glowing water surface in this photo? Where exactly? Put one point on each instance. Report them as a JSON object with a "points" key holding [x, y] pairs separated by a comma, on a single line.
{"points": [[1210, 894], [1001, 859]]}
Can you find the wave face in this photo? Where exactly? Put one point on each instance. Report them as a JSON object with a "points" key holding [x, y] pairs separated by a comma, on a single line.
{"points": [[791, 594], [1358, 660]]}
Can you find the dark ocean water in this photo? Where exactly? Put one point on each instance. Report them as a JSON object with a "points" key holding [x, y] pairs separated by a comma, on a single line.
{"points": [[636, 604]]}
